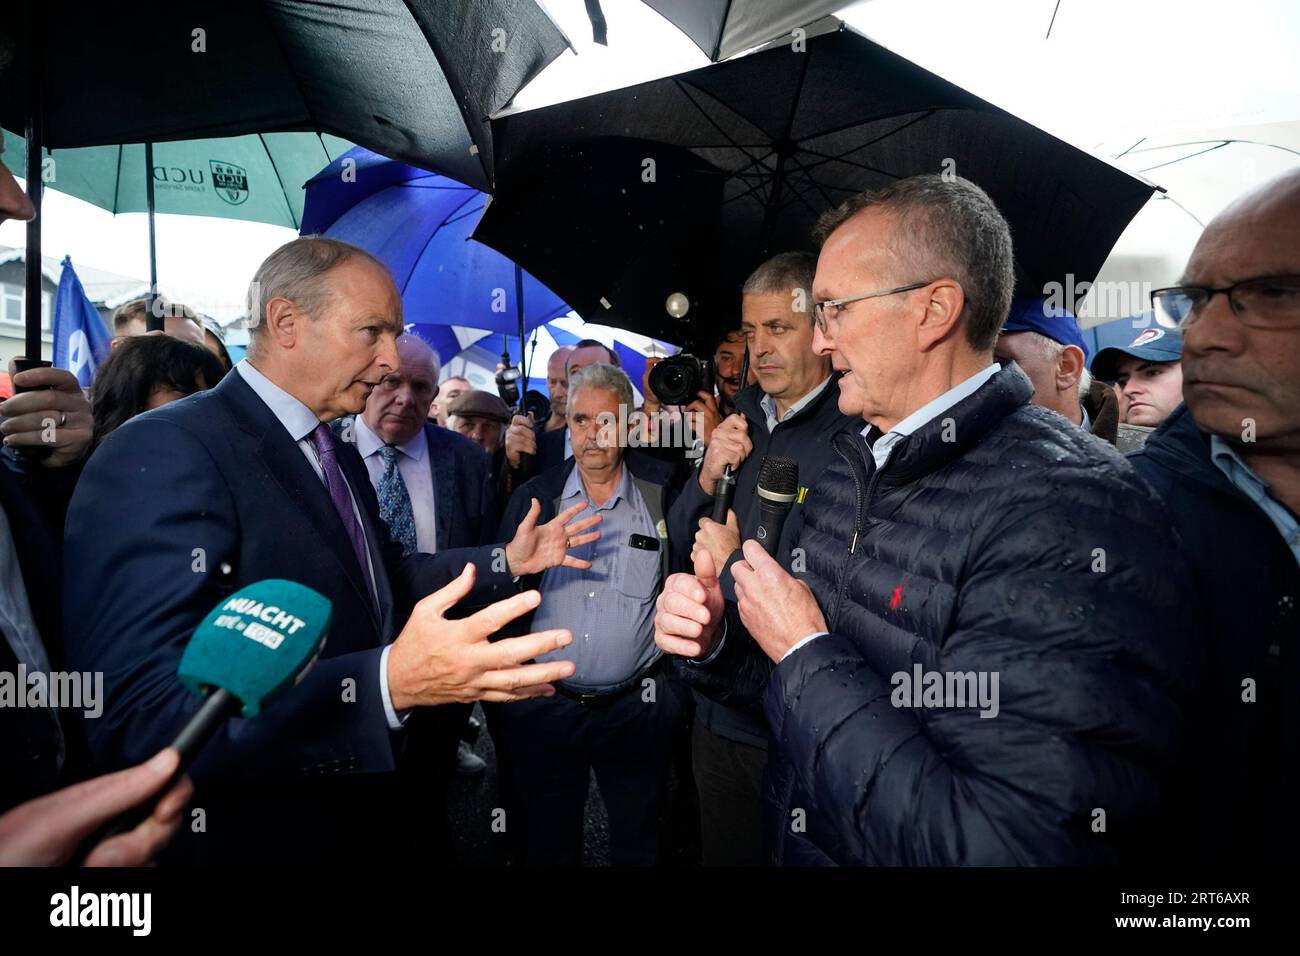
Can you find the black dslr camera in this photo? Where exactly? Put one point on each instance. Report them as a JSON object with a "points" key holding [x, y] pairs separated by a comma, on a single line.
{"points": [[534, 402], [678, 380]]}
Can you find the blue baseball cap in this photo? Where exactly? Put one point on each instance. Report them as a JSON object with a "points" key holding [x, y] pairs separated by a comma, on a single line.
{"points": [[1153, 344], [1032, 313]]}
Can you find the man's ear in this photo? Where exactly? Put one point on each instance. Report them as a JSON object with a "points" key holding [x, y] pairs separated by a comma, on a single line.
{"points": [[943, 308], [284, 322], [1069, 368]]}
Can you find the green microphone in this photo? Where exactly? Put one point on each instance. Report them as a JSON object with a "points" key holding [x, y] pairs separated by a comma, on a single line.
{"points": [[251, 648]]}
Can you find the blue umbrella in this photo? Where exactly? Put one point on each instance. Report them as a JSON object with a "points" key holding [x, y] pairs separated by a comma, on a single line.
{"points": [[418, 224]]}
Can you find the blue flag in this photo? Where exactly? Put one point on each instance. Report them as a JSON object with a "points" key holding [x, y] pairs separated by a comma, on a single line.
{"points": [[81, 340]]}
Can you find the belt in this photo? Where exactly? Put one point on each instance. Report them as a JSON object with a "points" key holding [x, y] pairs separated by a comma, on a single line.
{"points": [[605, 698]]}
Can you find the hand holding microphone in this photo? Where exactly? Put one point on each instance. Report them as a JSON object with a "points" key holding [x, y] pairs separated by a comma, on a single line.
{"points": [[777, 609], [728, 449], [251, 648]]}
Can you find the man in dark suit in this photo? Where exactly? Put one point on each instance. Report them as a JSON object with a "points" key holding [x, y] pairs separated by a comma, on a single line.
{"points": [[245, 482], [435, 492]]}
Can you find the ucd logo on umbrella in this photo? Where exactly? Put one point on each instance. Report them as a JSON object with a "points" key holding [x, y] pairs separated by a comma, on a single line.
{"points": [[230, 181]]}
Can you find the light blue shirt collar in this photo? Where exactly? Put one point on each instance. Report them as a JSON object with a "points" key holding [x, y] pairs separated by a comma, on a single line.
{"points": [[298, 420], [927, 412], [573, 487], [1245, 480], [768, 404], [368, 443]]}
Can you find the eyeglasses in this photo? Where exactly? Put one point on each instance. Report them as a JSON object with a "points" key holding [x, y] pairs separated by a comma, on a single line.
{"points": [[829, 310], [1266, 302]]}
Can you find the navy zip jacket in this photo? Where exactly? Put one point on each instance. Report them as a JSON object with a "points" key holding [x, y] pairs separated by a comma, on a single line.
{"points": [[1236, 805], [1007, 544]]}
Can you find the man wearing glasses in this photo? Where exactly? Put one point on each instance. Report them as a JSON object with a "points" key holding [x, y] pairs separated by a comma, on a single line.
{"points": [[965, 536], [1227, 464]]}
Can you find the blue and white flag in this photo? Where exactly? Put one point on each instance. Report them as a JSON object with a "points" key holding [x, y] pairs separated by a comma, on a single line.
{"points": [[81, 340]]}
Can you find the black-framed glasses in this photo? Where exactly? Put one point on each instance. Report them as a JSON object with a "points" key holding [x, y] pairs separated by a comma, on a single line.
{"points": [[1264, 302], [829, 310]]}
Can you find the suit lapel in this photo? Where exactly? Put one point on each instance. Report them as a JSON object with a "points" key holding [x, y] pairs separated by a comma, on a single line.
{"points": [[443, 467], [285, 462]]}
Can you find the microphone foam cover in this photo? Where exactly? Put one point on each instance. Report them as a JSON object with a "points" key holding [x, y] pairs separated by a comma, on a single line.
{"points": [[257, 642], [779, 475]]}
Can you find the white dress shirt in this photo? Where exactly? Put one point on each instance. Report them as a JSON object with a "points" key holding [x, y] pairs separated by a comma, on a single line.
{"points": [[417, 473], [300, 421]]}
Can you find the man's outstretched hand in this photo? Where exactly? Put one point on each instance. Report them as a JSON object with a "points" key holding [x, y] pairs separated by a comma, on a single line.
{"points": [[440, 661], [535, 548]]}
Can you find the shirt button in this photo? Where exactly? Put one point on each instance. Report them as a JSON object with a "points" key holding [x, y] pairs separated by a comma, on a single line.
{"points": [[591, 594]]}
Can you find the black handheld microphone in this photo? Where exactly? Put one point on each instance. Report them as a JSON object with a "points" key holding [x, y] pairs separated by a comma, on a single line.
{"points": [[778, 485], [726, 486]]}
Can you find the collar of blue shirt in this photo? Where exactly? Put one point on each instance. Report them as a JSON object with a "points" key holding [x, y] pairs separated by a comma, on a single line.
{"points": [[768, 404], [927, 412], [299, 420], [573, 486], [368, 443], [1245, 480]]}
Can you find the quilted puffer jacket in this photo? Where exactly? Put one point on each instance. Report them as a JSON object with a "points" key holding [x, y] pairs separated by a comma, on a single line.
{"points": [[999, 542]]}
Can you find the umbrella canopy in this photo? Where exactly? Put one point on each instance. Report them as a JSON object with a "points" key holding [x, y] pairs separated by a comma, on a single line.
{"points": [[257, 178], [480, 352], [418, 224], [723, 28], [775, 138], [1202, 171], [405, 77]]}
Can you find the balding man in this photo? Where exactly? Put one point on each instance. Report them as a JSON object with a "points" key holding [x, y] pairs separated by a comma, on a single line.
{"points": [[450, 390], [557, 385], [246, 482], [1227, 466]]}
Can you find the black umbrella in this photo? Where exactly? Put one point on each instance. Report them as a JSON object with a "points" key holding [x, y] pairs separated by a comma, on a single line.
{"points": [[776, 138], [412, 79], [723, 28]]}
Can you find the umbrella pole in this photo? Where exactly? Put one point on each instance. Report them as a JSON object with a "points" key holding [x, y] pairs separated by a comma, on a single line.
{"points": [[32, 255], [153, 320], [519, 309]]}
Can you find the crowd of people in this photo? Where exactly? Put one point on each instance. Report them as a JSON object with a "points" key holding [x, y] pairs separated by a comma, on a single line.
{"points": [[983, 635]]}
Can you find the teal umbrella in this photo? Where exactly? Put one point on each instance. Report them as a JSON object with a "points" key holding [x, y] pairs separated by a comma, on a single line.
{"points": [[257, 178]]}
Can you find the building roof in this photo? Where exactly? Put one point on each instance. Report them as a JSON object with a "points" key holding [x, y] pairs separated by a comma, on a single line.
{"points": [[103, 288]]}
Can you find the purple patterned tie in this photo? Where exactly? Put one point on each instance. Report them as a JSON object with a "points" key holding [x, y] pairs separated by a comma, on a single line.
{"points": [[323, 439]]}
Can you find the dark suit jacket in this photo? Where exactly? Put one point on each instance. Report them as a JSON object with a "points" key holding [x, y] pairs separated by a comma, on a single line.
{"points": [[29, 739], [465, 502], [176, 509], [463, 491]]}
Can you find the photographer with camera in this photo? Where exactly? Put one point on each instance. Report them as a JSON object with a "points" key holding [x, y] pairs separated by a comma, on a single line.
{"points": [[790, 411]]}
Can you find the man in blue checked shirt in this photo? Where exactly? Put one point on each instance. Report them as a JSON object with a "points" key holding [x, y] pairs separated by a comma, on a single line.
{"points": [[619, 712]]}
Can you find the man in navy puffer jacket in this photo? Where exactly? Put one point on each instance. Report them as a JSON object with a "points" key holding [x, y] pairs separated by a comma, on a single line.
{"points": [[969, 541]]}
